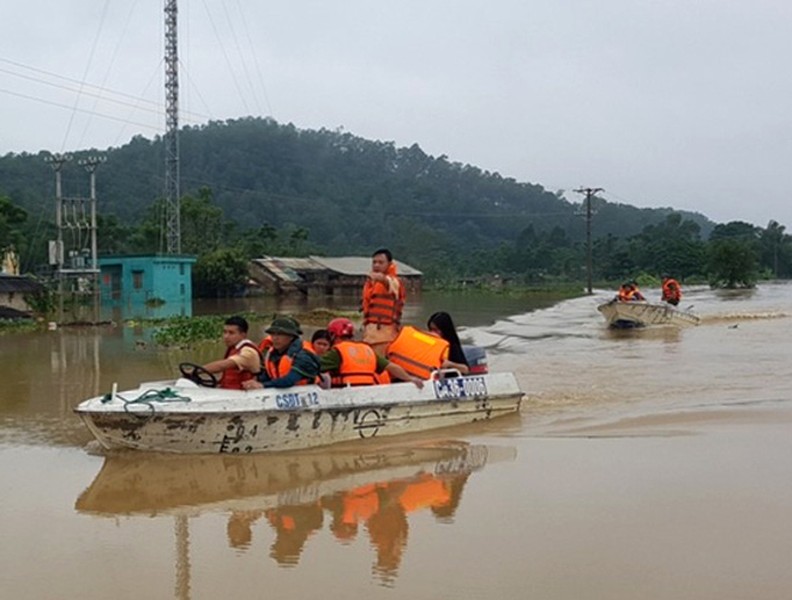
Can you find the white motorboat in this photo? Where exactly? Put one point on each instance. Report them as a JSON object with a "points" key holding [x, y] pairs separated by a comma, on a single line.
{"points": [[623, 315], [184, 417]]}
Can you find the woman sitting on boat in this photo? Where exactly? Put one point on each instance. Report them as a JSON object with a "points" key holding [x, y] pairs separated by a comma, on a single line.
{"points": [[441, 324]]}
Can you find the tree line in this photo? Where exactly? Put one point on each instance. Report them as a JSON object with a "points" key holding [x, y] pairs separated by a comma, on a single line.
{"points": [[256, 187]]}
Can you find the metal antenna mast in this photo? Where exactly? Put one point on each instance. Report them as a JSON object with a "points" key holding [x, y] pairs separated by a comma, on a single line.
{"points": [[172, 210]]}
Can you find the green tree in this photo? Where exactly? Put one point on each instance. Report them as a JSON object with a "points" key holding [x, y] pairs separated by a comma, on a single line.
{"points": [[775, 250], [218, 273], [12, 219]]}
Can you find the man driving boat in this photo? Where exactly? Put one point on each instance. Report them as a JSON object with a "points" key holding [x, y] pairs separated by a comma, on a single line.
{"points": [[242, 361]]}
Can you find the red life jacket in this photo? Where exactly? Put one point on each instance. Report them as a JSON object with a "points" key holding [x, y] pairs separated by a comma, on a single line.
{"points": [[418, 352], [234, 376], [358, 364], [379, 304]]}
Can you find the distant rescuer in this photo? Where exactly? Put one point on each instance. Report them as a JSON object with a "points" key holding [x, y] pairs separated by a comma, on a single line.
{"points": [[672, 291], [242, 361], [383, 301]]}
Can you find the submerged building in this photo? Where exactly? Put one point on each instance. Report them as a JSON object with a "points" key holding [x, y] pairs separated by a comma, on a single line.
{"points": [[138, 281], [322, 275]]}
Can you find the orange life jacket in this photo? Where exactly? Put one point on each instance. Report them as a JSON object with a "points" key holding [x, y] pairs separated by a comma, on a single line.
{"points": [[265, 345], [418, 352], [671, 290], [358, 364], [234, 376], [379, 304], [281, 368]]}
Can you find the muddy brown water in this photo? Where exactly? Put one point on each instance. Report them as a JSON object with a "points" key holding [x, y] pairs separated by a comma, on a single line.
{"points": [[652, 464]]}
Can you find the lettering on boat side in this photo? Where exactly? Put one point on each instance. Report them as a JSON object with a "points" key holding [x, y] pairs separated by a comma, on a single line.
{"points": [[460, 387], [230, 442], [294, 400]]}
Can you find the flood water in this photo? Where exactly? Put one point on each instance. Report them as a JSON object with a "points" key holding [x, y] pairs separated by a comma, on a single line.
{"points": [[645, 464]]}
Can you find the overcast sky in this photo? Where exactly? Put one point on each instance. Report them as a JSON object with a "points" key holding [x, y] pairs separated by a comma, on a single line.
{"points": [[681, 103]]}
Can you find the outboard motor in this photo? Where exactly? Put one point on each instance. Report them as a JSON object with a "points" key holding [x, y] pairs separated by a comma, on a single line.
{"points": [[477, 359]]}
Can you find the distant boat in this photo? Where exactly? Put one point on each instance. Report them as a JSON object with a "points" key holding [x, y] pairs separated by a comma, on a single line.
{"points": [[625, 315]]}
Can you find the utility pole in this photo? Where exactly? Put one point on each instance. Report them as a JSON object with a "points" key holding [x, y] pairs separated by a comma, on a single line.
{"points": [[90, 165], [78, 263], [172, 229], [589, 268], [56, 248]]}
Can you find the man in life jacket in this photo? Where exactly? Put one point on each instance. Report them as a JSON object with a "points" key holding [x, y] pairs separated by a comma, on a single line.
{"points": [[242, 361], [287, 362], [355, 363], [383, 301], [672, 291], [629, 292]]}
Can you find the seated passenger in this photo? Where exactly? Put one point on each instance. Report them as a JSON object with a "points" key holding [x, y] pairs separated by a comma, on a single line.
{"points": [[629, 292], [355, 363], [418, 352], [287, 362], [441, 323], [320, 341], [242, 361]]}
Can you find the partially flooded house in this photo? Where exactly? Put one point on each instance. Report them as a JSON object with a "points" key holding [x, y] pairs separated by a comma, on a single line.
{"points": [[321, 275], [14, 291]]}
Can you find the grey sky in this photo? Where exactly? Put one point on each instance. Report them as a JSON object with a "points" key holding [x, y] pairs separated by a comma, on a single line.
{"points": [[681, 103]]}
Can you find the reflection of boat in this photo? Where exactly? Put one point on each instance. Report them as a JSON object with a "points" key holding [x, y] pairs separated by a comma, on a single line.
{"points": [[151, 484], [182, 417], [296, 494], [639, 314]]}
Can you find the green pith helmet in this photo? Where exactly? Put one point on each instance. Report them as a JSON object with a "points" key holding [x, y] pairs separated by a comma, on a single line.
{"points": [[286, 325]]}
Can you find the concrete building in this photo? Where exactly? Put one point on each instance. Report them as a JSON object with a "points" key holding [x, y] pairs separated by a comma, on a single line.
{"points": [[141, 279]]}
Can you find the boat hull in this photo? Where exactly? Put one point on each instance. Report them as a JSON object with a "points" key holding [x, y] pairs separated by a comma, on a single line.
{"points": [[248, 422], [622, 315]]}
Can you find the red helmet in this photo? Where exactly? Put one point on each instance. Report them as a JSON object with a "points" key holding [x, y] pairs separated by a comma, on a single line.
{"points": [[341, 328]]}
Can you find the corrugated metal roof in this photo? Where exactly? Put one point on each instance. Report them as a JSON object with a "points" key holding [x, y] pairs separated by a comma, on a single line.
{"points": [[289, 268], [358, 265], [18, 284]]}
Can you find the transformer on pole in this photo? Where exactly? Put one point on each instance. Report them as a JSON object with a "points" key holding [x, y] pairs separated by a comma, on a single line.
{"points": [[172, 225]]}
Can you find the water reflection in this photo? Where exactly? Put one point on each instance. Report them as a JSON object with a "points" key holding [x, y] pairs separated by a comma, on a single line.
{"points": [[347, 491]]}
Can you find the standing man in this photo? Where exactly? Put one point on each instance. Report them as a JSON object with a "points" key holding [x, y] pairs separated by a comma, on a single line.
{"points": [[383, 301], [672, 291], [242, 361]]}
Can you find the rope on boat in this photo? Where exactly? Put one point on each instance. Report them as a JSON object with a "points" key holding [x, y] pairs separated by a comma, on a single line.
{"points": [[147, 399]]}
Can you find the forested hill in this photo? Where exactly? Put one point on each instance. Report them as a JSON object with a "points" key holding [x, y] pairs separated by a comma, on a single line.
{"points": [[351, 194]]}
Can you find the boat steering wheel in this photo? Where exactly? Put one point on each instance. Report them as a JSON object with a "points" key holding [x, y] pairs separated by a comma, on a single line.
{"points": [[198, 374]]}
